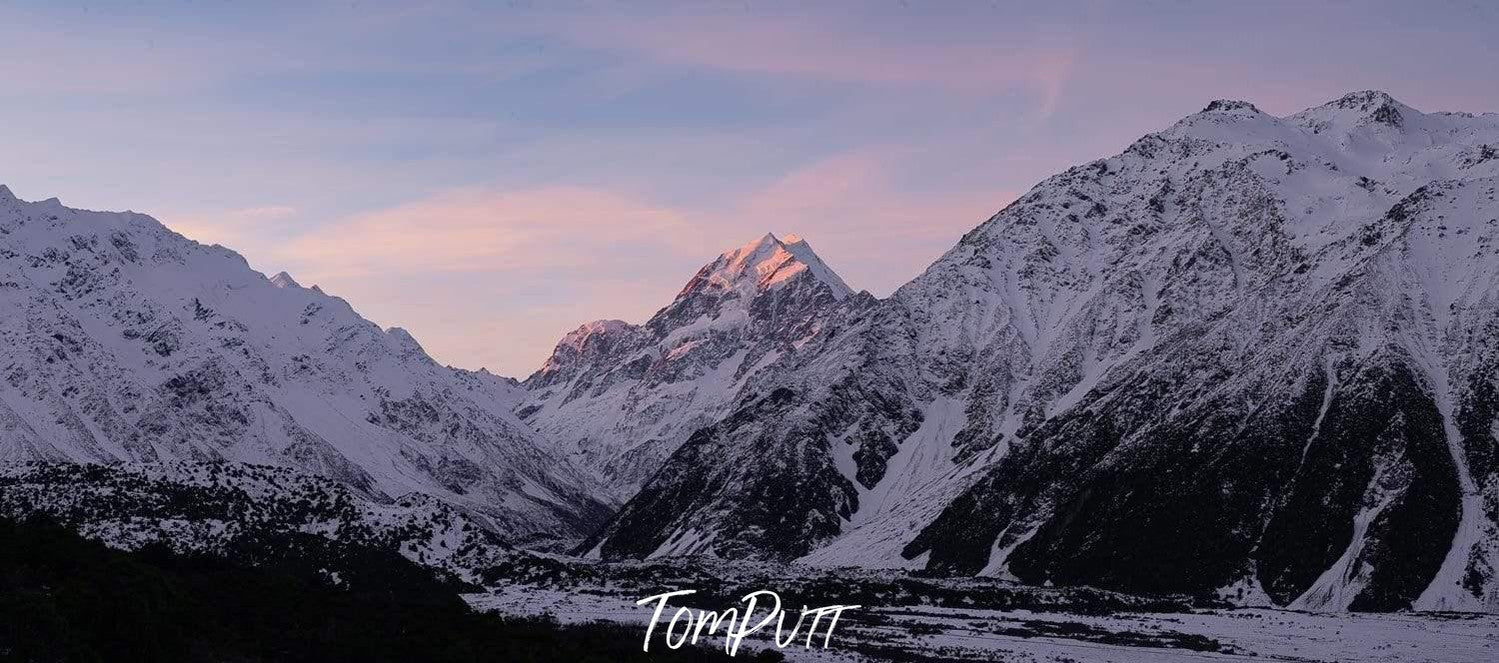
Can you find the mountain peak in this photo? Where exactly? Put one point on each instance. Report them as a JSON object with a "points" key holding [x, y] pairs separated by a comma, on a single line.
{"points": [[1363, 100], [5, 194], [594, 337], [1230, 106], [622, 397], [764, 264], [1367, 107], [404, 338], [284, 280]]}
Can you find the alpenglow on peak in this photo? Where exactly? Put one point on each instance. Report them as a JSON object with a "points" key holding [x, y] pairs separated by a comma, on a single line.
{"points": [[762, 265]]}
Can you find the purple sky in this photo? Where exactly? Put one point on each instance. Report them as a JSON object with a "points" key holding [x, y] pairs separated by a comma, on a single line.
{"points": [[491, 176]]}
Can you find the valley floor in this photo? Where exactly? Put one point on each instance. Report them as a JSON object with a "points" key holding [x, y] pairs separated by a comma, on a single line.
{"points": [[926, 633]]}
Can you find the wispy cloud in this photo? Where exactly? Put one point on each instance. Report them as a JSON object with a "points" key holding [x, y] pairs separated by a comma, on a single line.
{"points": [[851, 203], [474, 230], [814, 47]]}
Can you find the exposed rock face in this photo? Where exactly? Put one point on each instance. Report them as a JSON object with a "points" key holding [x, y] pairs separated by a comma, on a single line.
{"points": [[1250, 354], [125, 341]]}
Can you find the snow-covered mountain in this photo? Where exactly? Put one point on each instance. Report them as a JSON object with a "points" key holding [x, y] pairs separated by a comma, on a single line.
{"points": [[1251, 355], [1254, 356], [620, 398], [124, 341]]}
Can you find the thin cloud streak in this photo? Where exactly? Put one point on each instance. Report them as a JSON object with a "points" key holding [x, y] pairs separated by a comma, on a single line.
{"points": [[812, 47], [482, 231]]}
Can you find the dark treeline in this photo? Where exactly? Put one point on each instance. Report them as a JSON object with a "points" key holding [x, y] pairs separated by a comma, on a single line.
{"points": [[286, 598]]}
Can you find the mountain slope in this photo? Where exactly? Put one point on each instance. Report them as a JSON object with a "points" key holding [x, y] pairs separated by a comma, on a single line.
{"points": [[127, 342], [620, 398], [1250, 354]]}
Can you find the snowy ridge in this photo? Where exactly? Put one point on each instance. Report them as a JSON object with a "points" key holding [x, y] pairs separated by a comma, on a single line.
{"points": [[1271, 323], [128, 342], [620, 398]]}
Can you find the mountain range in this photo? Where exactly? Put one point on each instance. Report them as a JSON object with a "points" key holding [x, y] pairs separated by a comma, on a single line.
{"points": [[127, 342], [1251, 357]]}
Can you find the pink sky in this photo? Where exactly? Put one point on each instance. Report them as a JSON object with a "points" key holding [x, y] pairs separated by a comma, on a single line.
{"points": [[490, 177]]}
